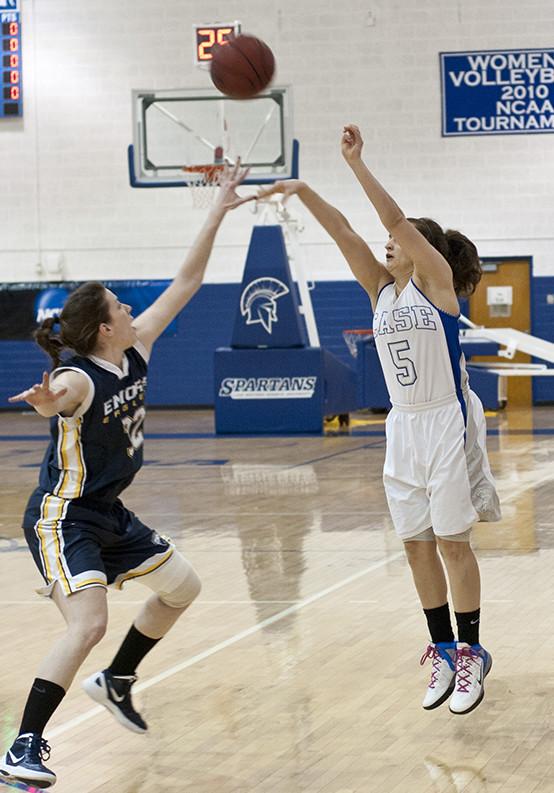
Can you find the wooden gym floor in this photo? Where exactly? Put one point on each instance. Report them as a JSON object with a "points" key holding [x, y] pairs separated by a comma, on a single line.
{"points": [[298, 667]]}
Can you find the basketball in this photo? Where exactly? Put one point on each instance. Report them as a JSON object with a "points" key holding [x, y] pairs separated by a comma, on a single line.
{"points": [[242, 67]]}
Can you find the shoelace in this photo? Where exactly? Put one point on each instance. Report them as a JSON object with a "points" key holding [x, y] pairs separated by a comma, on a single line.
{"points": [[436, 658], [42, 747], [466, 658]]}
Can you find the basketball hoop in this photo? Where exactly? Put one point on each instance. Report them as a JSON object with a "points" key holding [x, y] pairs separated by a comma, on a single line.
{"points": [[203, 181], [352, 337]]}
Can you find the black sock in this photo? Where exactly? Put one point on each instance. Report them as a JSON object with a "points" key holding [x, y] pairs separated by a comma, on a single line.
{"points": [[44, 697], [468, 626], [133, 649], [439, 624]]}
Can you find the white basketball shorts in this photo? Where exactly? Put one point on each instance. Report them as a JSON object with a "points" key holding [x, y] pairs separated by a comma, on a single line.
{"points": [[427, 468]]}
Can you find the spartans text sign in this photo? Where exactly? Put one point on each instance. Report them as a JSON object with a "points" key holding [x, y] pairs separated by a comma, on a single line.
{"points": [[497, 92]]}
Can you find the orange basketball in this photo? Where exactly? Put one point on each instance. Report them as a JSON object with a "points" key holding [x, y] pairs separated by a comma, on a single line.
{"points": [[242, 67]]}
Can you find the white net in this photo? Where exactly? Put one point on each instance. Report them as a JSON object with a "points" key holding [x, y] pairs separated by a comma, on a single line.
{"points": [[203, 181], [352, 337]]}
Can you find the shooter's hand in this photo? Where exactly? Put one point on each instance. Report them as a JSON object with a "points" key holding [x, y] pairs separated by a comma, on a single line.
{"points": [[351, 143]]}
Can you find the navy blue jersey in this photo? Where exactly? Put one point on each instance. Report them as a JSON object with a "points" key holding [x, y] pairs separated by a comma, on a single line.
{"points": [[94, 455]]}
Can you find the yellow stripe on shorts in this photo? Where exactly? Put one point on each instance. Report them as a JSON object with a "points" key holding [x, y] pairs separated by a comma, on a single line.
{"points": [[47, 528]]}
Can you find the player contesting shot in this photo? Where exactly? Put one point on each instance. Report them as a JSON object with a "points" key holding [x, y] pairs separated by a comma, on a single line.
{"points": [[81, 536], [436, 474]]}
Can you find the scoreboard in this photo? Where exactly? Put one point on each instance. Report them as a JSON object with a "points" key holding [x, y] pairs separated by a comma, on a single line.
{"points": [[11, 98], [211, 35]]}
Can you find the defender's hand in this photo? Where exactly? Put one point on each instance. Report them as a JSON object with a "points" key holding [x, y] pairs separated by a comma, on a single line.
{"points": [[232, 176], [39, 394], [287, 187]]}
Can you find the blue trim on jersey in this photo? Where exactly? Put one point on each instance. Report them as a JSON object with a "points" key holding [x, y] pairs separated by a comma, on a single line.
{"points": [[390, 283], [452, 334], [446, 313]]}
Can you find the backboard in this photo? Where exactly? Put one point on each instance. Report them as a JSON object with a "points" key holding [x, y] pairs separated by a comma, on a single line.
{"points": [[190, 127]]}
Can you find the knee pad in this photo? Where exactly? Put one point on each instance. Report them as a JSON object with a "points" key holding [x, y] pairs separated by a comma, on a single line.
{"points": [[176, 582]]}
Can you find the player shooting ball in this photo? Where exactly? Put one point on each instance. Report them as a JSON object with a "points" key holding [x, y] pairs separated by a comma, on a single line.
{"points": [[436, 475]]}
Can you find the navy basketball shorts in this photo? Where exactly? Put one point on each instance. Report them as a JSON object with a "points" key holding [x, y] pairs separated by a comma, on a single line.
{"points": [[81, 547]]}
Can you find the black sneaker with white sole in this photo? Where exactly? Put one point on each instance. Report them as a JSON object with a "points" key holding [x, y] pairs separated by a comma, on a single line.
{"points": [[23, 761], [114, 692]]}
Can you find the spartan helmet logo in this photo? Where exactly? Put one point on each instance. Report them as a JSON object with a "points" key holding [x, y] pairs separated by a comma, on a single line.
{"points": [[258, 302]]}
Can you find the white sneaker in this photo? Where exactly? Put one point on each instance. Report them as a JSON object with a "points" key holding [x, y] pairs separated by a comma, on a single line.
{"points": [[443, 672], [473, 663]]}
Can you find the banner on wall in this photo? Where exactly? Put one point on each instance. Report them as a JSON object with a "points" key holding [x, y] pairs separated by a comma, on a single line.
{"points": [[497, 92], [23, 306]]}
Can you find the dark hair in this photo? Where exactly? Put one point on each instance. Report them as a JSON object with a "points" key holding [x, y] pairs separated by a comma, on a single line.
{"points": [[85, 309], [459, 251]]}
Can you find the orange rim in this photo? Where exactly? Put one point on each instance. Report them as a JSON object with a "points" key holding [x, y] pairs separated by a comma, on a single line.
{"points": [[211, 172]]}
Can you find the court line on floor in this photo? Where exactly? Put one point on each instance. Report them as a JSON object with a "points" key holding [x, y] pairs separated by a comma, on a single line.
{"points": [[335, 454], [250, 602], [493, 431], [509, 491], [173, 670], [197, 604], [178, 436], [225, 515]]}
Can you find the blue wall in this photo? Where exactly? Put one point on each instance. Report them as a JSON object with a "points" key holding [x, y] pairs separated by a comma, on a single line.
{"points": [[182, 366]]}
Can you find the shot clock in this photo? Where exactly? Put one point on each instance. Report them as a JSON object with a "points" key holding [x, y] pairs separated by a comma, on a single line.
{"points": [[11, 100], [209, 36]]}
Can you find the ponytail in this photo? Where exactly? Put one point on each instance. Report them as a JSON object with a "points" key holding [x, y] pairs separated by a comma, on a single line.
{"points": [[84, 311], [465, 262], [459, 251], [50, 342]]}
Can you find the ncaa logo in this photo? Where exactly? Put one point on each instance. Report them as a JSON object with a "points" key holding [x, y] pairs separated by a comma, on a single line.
{"points": [[258, 302], [49, 303]]}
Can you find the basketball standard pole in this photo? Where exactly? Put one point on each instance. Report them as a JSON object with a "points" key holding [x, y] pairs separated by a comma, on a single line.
{"points": [[513, 341], [292, 228]]}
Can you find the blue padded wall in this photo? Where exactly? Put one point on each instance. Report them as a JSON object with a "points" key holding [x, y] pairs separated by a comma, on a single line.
{"points": [[181, 371], [182, 366], [339, 305]]}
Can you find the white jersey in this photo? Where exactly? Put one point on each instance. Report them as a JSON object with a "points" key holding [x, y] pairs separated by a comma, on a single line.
{"points": [[419, 348], [436, 471]]}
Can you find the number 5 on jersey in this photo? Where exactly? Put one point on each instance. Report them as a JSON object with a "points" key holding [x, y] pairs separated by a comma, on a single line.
{"points": [[406, 374]]}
